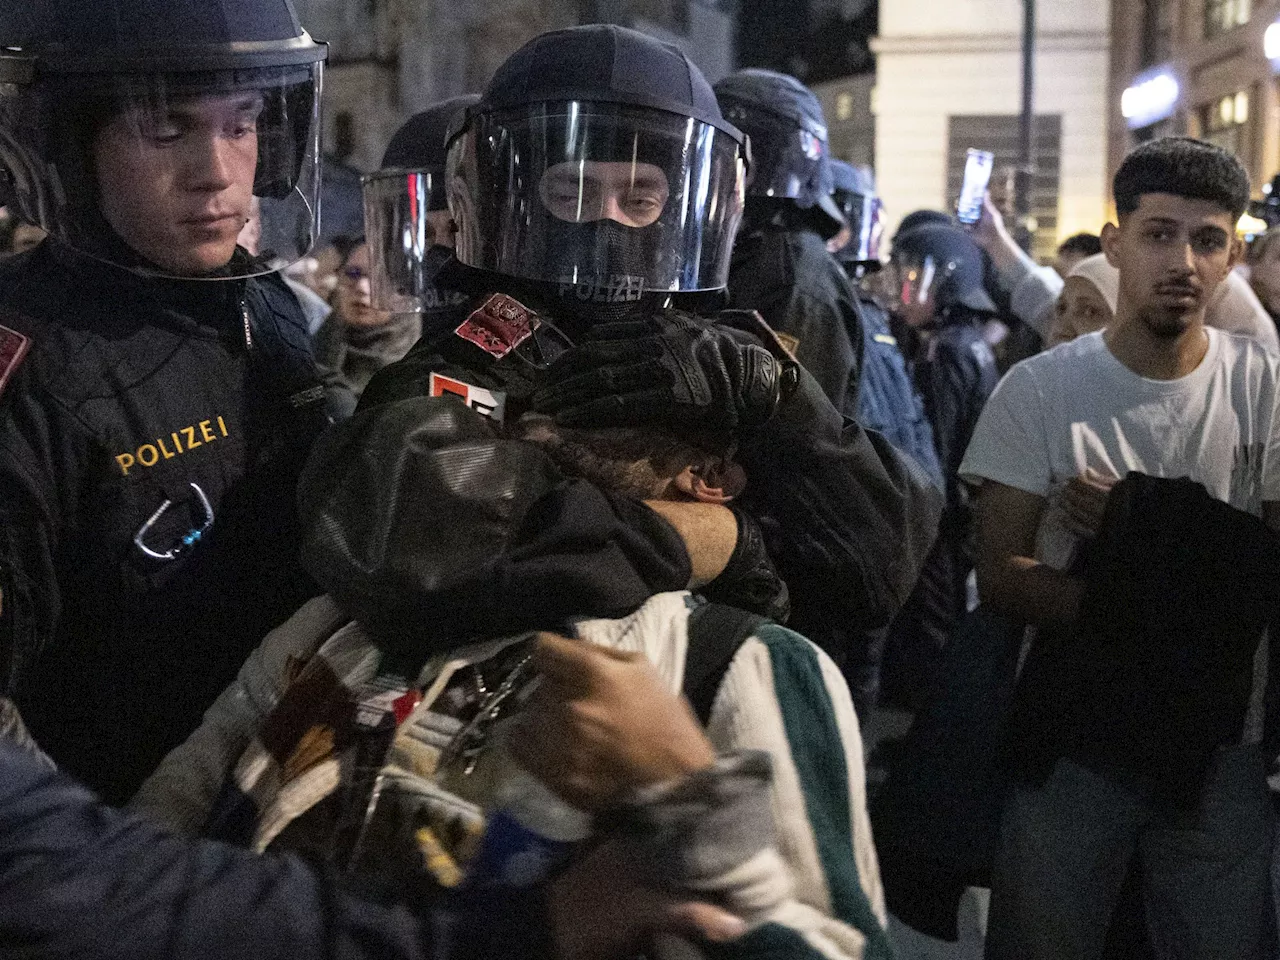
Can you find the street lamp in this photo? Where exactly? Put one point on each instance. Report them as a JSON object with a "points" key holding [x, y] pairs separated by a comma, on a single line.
{"points": [[1026, 158]]}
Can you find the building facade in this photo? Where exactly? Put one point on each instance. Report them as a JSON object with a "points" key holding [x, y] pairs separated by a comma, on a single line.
{"points": [[949, 78], [390, 59], [846, 104], [1204, 68]]}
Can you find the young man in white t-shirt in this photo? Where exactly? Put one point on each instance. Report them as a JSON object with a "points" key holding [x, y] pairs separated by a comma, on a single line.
{"points": [[1155, 392]]}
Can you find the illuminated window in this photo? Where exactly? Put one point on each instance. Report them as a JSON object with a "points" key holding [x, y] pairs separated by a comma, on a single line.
{"points": [[1223, 15], [1225, 122]]}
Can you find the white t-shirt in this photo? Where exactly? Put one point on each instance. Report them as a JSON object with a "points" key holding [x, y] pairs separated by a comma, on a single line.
{"points": [[1077, 406]]}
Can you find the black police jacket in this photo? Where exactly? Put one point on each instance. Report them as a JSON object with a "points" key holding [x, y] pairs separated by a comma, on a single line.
{"points": [[789, 278], [888, 401], [150, 442], [955, 372], [492, 522]]}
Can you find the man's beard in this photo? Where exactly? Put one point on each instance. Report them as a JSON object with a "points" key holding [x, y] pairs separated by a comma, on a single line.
{"points": [[1166, 324]]}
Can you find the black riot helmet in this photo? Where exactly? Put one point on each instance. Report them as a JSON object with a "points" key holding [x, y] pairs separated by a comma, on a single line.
{"points": [[923, 218], [141, 131], [854, 193], [939, 266], [597, 164], [406, 215], [790, 152]]}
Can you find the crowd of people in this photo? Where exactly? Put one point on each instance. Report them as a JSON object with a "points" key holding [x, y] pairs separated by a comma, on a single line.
{"points": [[518, 579]]}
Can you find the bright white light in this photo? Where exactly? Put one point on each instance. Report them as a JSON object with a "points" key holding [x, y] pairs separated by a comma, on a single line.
{"points": [[1250, 226], [1271, 42], [1149, 101]]}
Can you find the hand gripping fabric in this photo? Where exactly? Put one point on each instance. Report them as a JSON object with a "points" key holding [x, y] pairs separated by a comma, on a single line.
{"points": [[671, 369]]}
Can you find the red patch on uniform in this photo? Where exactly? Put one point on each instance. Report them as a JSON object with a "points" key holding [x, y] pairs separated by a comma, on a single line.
{"points": [[499, 325], [13, 347], [487, 403]]}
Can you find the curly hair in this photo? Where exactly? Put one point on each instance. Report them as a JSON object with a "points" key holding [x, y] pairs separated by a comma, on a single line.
{"points": [[1184, 167], [633, 461]]}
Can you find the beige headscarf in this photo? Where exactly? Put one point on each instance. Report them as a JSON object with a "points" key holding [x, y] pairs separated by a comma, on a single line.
{"points": [[1235, 308], [1102, 275]]}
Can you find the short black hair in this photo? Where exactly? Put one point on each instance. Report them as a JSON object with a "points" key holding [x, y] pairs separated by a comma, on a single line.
{"points": [[1084, 244], [1184, 167]]}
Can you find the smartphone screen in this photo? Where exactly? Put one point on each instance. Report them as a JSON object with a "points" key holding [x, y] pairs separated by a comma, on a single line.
{"points": [[977, 175]]}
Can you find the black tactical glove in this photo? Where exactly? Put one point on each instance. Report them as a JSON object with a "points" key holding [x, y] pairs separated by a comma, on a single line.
{"points": [[749, 580], [665, 370]]}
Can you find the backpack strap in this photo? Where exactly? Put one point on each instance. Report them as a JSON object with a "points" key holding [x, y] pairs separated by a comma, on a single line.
{"points": [[716, 631]]}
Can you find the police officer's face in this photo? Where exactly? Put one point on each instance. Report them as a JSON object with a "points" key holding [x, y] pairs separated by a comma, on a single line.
{"points": [[916, 293], [440, 229], [632, 194], [177, 184]]}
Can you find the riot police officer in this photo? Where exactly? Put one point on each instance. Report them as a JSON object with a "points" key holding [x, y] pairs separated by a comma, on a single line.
{"points": [[943, 305], [781, 266], [390, 275], [888, 401], [407, 221], [157, 392], [595, 189]]}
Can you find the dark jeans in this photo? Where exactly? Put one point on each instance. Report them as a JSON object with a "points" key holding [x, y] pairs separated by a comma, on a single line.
{"points": [[1066, 848]]}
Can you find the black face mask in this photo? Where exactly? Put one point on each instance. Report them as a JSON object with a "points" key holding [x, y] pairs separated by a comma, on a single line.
{"points": [[620, 257]]}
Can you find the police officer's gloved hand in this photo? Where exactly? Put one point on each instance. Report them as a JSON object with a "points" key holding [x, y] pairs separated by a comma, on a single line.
{"points": [[749, 581], [666, 369]]}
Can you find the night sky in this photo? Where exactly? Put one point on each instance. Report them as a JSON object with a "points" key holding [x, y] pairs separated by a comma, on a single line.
{"points": [[808, 38]]}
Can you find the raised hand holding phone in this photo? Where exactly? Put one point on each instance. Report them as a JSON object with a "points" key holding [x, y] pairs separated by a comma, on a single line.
{"points": [[977, 176]]}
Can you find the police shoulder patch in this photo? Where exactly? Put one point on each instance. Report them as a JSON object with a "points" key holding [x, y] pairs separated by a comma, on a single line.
{"points": [[499, 325], [13, 347]]}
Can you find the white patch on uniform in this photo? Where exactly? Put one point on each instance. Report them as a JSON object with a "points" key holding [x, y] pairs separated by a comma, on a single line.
{"points": [[487, 403]]}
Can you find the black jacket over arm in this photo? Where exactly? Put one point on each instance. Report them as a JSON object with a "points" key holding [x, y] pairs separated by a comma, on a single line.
{"points": [[789, 278]]}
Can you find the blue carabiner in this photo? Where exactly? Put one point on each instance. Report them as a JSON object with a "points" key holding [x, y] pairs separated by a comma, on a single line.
{"points": [[189, 539]]}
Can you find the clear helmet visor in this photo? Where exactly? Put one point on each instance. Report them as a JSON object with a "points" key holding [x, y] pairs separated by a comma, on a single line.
{"points": [[195, 175], [787, 163], [874, 230], [407, 225], [607, 200], [917, 281], [852, 242]]}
